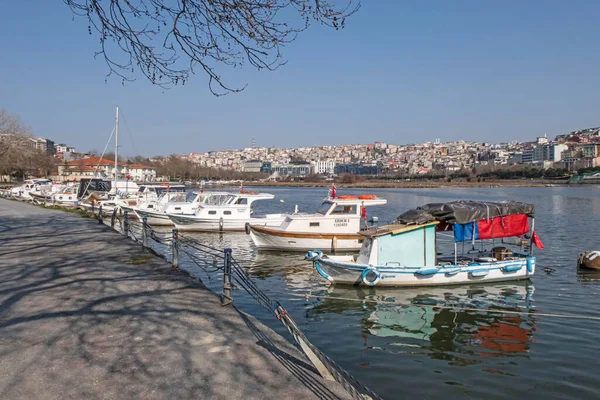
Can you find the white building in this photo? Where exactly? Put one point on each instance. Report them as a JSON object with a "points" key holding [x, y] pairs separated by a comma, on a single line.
{"points": [[324, 167]]}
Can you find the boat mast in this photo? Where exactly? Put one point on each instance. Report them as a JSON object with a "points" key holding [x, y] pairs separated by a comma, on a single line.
{"points": [[116, 146]]}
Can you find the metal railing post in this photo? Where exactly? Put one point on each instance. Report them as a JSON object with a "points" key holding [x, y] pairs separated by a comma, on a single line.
{"points": [[226, 298], [144, 233], [94, 206], [99, 213], [126, 223], [175, 247], [112, 218]]}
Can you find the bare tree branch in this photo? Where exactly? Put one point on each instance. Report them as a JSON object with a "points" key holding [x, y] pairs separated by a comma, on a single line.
{"points": [[17, 151], [168, 40]]}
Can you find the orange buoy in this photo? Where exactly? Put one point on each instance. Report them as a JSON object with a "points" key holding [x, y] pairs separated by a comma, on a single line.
{"points": [[346, 197], [367, 197]]}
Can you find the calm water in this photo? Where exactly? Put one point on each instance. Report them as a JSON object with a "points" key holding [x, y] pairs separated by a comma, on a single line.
{"points": [[398, 345]]}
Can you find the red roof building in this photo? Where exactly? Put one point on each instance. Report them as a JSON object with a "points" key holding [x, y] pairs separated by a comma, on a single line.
{"points": [[105, 169]]}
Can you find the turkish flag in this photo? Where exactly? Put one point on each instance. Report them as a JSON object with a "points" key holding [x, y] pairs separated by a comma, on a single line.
{"points": [[333, 190], [536, 240], [363, 213]]}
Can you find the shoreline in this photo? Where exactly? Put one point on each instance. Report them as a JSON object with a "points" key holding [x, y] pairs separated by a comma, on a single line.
{"points": [[414, 184]]}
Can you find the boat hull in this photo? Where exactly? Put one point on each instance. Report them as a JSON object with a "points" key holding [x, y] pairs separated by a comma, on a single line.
{"points": [[589, 260], [186, 223], [154, 218], [272, 239], [342, 271]]}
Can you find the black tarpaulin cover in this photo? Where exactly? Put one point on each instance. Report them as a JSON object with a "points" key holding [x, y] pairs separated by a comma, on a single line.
{"points": [[464, 211]]}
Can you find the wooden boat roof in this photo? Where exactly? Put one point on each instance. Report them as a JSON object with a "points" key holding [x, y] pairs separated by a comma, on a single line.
{"points": [[394, 229]]}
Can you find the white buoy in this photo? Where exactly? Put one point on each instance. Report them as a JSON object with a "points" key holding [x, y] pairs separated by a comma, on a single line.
{"points": [[281, 201]]}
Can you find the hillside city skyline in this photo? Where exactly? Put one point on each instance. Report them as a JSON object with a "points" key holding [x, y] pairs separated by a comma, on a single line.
{"points": [[576, 149]]}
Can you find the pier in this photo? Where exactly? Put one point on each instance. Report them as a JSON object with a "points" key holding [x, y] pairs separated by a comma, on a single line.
{"points": [[87, 313]]}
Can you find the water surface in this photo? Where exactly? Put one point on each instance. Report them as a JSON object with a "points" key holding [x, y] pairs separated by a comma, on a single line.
{"points": [[399, 345]]}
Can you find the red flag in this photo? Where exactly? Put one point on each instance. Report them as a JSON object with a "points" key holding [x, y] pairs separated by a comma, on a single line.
{"points": [[536, 240], [363, 213], [333, 192]]}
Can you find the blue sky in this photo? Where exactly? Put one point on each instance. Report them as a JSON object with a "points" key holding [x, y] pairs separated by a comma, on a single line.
{"points": [[401, 72]]}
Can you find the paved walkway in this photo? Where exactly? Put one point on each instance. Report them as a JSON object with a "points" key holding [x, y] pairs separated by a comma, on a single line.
{"points": [[81, 318]]}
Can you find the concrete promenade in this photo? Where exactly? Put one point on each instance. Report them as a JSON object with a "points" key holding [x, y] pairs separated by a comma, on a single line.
{"points": [[87, 314]]}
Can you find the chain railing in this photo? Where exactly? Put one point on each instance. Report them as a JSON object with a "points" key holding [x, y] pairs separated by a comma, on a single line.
{"points": [[213, 260]]}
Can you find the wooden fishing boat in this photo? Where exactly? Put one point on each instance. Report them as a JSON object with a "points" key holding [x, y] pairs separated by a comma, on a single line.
{"points": [[406, 253], [589, 260]]}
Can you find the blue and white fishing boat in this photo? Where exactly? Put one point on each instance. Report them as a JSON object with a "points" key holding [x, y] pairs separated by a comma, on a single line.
{"points": [[406, 253]]}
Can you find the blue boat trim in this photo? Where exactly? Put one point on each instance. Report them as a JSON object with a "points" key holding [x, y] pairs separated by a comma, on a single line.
{"points": [[320, 271]]}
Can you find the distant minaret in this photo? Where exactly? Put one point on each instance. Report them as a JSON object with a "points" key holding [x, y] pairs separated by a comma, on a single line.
{"points": [[253, 142]]}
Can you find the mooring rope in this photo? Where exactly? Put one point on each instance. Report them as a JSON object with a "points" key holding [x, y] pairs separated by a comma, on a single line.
{"points": [[532, 313]]}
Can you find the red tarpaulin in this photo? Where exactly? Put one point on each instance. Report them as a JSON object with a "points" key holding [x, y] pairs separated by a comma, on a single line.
{"points": [[499, 227]]}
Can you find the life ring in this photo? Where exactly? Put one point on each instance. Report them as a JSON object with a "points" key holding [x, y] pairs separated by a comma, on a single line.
{"points": [[247, 228], [346, 197], [367, 197], [370, 276]]}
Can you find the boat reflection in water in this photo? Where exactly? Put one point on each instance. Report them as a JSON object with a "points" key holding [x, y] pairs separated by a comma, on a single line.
{"points": [[486, 320]]}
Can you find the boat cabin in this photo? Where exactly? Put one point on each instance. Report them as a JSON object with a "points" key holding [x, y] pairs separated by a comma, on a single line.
{"points": [[342, 214], [400, 245]]}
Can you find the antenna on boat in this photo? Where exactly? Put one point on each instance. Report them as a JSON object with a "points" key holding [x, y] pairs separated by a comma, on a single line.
{"points": [[116, 146]]}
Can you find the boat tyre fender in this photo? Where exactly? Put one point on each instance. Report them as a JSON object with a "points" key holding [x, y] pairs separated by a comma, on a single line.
{"points": [[247, 228], [370, 276]]}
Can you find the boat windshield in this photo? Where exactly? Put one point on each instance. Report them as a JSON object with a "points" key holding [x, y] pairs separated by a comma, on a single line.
{"points": [[218, 199], [190, 196], [324, 208], [176, 197]]}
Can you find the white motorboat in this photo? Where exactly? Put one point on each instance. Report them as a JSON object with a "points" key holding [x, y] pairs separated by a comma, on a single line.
{"points": [[22, 192], [226, 212], [172, 203], [335, 226], [149, 197], [406, 253]]}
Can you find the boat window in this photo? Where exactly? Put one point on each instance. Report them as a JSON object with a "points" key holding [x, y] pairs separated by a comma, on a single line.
{"points": [[190, 196], [324, 208], [212, 213], [227, 212], [242, 201], [150, 206], [314, 224], [344, 210], [141, 189], [177, 208]]}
